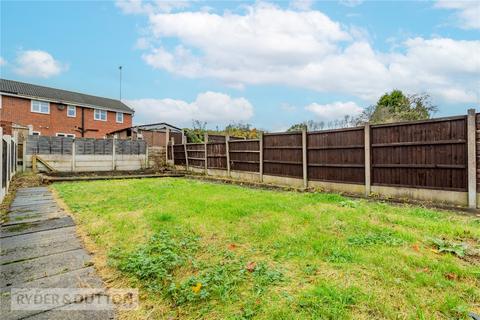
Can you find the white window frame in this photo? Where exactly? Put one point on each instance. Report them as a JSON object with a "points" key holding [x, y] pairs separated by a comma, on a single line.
{"points": [[66, 135], [74, 111], [36, 133], [100, 117], [118, 114], [40, 111]]}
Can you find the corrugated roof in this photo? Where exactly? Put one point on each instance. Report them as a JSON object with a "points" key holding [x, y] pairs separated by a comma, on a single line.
{"points": [[63, 96]]}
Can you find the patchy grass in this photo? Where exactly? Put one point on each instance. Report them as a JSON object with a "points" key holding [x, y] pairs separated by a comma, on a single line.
{"points": [[204, 250]]}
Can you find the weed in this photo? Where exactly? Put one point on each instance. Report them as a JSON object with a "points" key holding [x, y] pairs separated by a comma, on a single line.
{"points": [[442, 245], [388, 238], [337, 255], [155, 262]]}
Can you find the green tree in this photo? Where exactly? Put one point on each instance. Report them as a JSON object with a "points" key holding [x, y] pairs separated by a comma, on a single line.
{"points": [[396, 106]]}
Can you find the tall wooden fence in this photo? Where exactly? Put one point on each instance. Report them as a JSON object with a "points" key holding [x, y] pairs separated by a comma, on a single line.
{"points": [[8, 162], [427, 160]]}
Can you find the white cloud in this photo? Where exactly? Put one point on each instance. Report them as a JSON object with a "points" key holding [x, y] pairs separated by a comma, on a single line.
{"points": [[150, 7], [334, 111], [212, 107], [271, 45], [37, 63], [467, 12], [2, 61], [302, 4], [351, 3]]}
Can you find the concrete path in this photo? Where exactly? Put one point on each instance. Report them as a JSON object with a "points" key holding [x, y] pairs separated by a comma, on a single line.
{"points": [[39, 249]]}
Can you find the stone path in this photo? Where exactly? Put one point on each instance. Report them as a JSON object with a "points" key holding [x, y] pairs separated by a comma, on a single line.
{"points": [[39, 249]]}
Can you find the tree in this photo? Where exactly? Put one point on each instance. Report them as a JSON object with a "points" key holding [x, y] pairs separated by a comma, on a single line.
{"points": [[309, 125], [197, 133], [396, 106]]}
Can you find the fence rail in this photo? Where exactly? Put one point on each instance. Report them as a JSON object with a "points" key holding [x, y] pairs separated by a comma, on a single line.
{"points": [[8, 162], [438, 154]]}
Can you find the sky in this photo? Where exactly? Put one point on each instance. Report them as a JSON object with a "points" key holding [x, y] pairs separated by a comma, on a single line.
{"points": [[267, 63]]}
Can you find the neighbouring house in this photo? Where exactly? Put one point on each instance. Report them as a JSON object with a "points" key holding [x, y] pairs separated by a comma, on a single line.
{"points": [[155, 134], [55, 112]]}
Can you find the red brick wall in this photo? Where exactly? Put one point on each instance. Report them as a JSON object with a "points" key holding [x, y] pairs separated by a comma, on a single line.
{"points": [[17, 110]]}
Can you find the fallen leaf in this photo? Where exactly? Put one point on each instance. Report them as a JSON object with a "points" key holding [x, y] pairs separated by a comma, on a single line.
{"points": [[451, 276], [251, 266], [434, 250]]}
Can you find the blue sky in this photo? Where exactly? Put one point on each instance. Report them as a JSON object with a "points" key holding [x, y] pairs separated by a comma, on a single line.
{"points": [[270, 64]]}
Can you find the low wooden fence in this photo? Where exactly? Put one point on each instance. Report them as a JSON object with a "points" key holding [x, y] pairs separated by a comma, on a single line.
{"points": [[84, 154], [8, 162], [434, 160]]}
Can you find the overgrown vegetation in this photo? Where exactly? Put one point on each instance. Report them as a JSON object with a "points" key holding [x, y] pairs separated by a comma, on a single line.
{"points": [[394, 106], [20, 180], [196, 134], [202, 250]]}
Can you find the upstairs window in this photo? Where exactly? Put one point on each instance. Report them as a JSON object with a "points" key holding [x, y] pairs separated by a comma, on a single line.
{"points": [[40, 107], [119, 117], [100, 115], [71, 111], [66, 135]]}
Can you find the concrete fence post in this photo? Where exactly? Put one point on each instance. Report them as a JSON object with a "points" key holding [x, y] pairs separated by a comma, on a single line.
{"points": [[173, 149], [227, 153], [205, 141], [167, 139], [304, 158], [114, 151], [368, 164], [74, 152], [24, 148], [472, 161], [186, 154], [7, 140], [146, 156], [260, 156]]}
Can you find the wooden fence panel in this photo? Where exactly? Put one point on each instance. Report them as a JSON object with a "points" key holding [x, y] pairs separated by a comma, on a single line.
{"points": [[282, 154], [216, 155], [179, 154], [336, 155], [423, 154], [196, 155], [245, 155]]}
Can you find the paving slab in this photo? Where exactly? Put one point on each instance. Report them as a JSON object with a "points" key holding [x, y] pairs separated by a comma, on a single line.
{"points": [[42, 223], [34, 269], [65, 313], [82, 278], [39, 244], [40, 249]]}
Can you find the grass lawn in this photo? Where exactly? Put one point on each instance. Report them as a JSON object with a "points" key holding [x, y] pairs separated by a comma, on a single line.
{"points": [[204, 250]]}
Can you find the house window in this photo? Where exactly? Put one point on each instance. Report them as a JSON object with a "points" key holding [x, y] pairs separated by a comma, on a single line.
{"points": [[119, 117], [67, 135], [35, 133], [100, 115], [71, 111], [40, 107]]}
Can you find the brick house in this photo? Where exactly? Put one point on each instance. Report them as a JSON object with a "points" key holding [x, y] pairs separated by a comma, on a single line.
{"points": [[56, 112]]}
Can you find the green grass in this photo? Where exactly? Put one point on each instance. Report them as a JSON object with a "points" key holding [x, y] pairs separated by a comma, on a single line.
{"points": [[203, 250]]}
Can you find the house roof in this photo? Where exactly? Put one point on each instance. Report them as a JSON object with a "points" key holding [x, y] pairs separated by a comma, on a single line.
{"points": [[152, 127], [28, 90]]}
